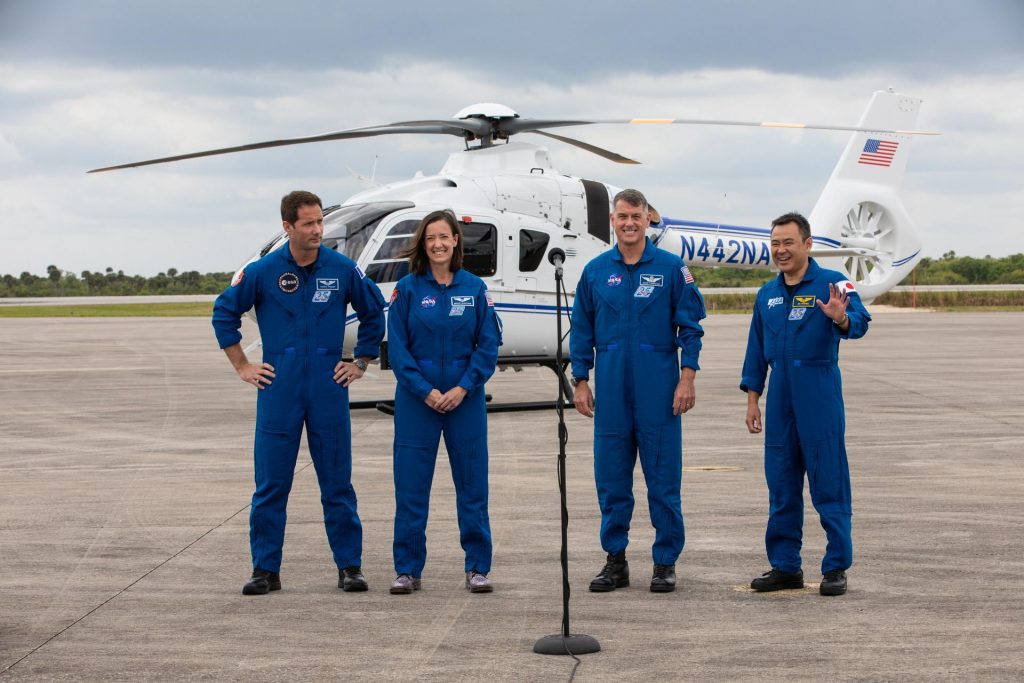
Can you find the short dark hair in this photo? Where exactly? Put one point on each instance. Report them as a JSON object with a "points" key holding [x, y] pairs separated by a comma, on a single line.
{"points": [[631, 197], [291, 202], [417, 253], [793, 217]]}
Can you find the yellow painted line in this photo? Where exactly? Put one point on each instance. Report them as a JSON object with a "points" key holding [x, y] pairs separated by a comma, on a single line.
{"points": [[777, 124], [652, 120]]}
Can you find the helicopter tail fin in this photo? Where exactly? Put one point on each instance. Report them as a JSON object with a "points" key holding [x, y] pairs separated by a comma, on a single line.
{"points": [[860, 212]]}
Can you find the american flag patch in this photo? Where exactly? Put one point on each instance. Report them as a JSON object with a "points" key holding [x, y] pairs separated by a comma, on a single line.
{"points": [[490, 301], [878, 152], [686, 275]]}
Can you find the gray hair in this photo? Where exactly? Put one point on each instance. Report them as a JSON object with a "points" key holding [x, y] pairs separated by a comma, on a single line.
{"points": [[631, 197]]}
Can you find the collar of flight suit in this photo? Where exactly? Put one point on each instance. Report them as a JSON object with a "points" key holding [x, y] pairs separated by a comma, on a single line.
{"points": [[316, 264], [813, 269], [649, 251], [457, 277]]}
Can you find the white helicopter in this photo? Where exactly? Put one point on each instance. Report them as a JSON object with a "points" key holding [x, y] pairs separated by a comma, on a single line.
{"points": [[517, 211]]}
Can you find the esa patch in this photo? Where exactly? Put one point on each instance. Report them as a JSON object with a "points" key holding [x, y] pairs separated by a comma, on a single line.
{"points": [[237, 279], [321, 296], [797, 313], [330, 284], [775, 301], [804, 301], [644, 291], [615, 279], [289, 283], [428, 302], [652, 280], [456, 311], [463, 301]]}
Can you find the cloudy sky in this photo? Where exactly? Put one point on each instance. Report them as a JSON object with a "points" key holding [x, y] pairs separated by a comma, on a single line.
{"points": [[93, 83]]}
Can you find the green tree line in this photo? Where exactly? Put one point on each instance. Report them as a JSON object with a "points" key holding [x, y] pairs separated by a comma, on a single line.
{"points": [[950, 269], [59, 282]]}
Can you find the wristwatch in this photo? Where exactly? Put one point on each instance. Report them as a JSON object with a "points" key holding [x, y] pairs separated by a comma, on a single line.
{"points": [[360, 363], [576, 380]]}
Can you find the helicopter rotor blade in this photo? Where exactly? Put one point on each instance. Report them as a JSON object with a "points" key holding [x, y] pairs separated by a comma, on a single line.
{"points": [[593, 149], [522, 125], [456, 128]]}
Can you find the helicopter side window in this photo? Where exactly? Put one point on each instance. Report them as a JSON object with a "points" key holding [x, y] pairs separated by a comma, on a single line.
{"points": [[532, 244], [391, 271], [397, 241], [480, 249]]}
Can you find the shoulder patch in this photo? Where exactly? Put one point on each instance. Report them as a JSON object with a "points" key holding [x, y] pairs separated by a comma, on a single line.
{"points": [[394, 295], [846, 286], [237, 279], [686, 275], [360, 273]]}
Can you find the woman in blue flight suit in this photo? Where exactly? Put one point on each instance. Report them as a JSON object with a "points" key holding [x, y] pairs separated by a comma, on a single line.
{"points": [[443, 338]]}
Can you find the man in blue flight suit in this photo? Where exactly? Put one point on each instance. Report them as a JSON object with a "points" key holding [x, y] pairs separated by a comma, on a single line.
{"points": [[636, 306], [799, 319], [301, 294]]}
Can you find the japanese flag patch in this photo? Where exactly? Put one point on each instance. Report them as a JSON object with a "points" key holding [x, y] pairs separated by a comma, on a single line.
{"points": [[846, 286]]}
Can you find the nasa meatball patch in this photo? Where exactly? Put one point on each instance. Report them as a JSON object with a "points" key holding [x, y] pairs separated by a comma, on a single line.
{"points": [[615, 279], [289, 283], [428, 302]]}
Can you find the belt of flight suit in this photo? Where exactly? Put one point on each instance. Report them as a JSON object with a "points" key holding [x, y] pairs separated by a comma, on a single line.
{"points": [[439, 337], [302, 318], [637, 318], [805, 422]]}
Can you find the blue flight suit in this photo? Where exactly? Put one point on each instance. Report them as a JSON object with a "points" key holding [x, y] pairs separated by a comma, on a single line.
{"points": [[805, 423], [440, 336], [302, 325], [637, 318]]}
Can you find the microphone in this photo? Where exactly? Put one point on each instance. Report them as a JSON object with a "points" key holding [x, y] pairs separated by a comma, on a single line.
{"points": [[557, 257]]}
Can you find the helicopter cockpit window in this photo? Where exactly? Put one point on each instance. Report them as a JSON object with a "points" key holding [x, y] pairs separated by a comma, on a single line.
{"points": [[480, 255], [396, 241], [480, 249], [532, 244], [348, 229]]}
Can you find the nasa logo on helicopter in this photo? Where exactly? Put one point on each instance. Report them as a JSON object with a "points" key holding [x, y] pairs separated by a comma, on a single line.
{"points": [[520, 216]]}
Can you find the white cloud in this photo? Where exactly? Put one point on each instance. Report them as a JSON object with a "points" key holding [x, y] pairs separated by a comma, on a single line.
{"points": [[209, 214]]}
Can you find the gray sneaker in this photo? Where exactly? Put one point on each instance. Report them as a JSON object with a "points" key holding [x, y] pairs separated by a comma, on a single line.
{"points": [[478, 583], [405, 584]]}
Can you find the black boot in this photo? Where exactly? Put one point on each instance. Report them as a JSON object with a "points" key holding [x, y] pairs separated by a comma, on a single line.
{"points": [[262, 582], [775, 580], [614, 575], [833, 583], [664, 578], [351, 580]]}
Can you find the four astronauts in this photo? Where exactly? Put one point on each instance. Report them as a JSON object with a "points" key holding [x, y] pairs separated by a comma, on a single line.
{"points": [[635, 326]]}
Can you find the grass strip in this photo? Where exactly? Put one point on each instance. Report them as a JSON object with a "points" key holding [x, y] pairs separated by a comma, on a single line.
{"points": [[196, 309]]}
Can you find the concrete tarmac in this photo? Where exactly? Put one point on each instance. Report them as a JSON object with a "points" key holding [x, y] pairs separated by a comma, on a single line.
{"points": [[125, 452]]}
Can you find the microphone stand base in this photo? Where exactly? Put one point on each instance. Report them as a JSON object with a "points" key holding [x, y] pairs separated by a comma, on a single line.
{"points": [[576, 644]]}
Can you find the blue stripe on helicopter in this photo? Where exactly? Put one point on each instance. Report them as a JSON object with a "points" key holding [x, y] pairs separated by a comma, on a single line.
{"points": [[720, 228], [905, 260]]}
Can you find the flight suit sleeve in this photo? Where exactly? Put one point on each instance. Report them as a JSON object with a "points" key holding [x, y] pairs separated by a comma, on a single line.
{"points": [[407, 371], [488, 338], [368, 304], [231, 305], [859, 318], [755, 365], [689, 311], [581, 335]]}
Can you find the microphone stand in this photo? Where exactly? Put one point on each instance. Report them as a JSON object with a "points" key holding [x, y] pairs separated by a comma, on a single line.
{"points": [[564, 643]]}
